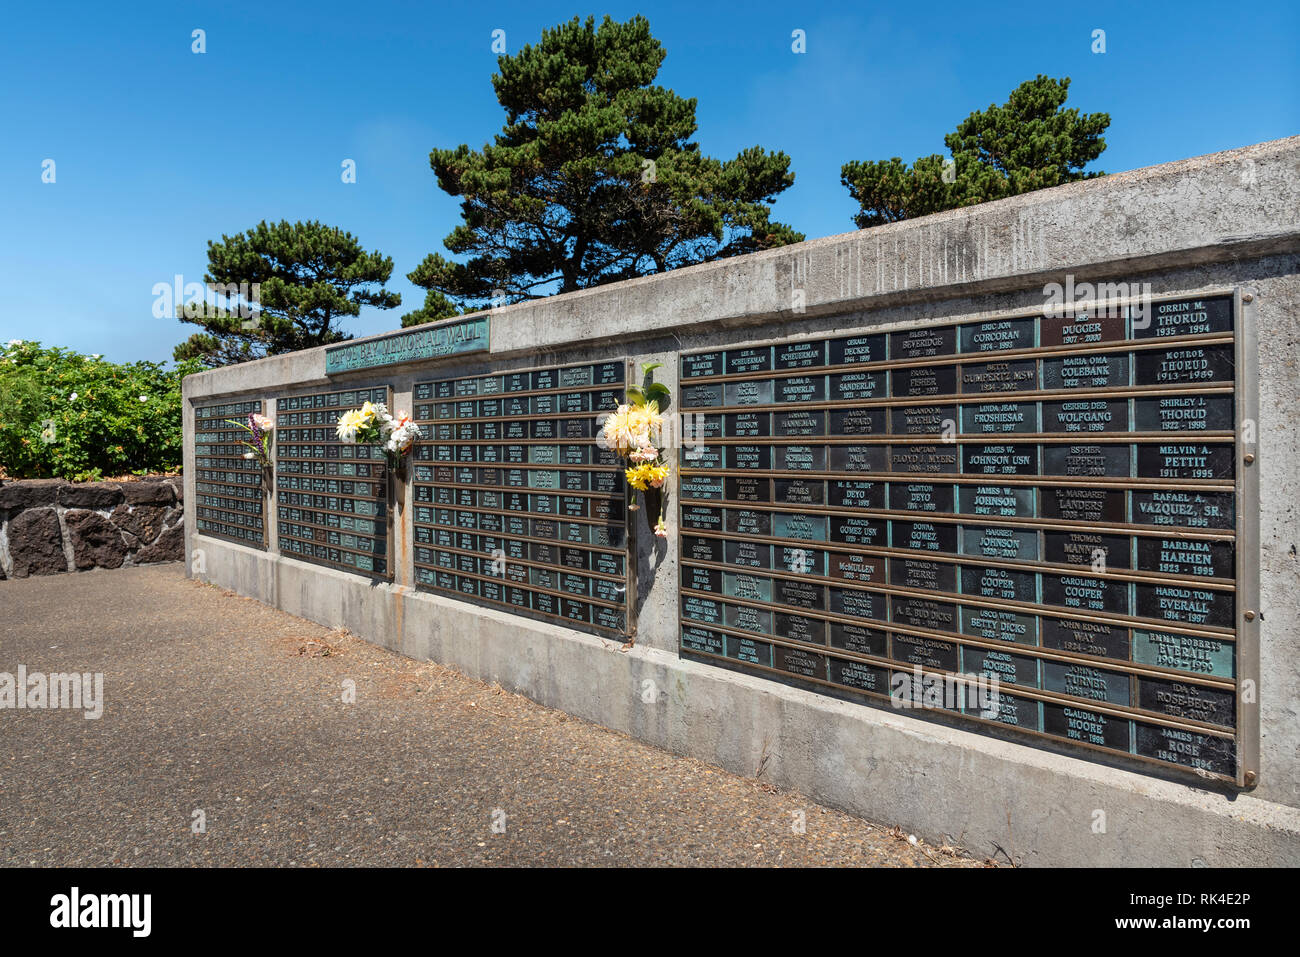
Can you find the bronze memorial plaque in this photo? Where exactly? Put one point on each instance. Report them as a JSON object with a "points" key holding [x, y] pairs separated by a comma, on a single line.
{"points": [[1054, 503], [332, 499], [516, 503], [229, 499]]}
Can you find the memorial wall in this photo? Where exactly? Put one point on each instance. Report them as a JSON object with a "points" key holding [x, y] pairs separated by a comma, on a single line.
{"points": [[939, 549], [332, 498], [515, 502], [1026, 521], [229, 497]]}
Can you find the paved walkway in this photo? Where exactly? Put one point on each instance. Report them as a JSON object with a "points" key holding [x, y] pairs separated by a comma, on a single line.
{"points": [[217, 704]]}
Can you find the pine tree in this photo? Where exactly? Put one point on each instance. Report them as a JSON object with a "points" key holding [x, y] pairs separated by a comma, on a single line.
{"points": [[1028, 143], [309, 275], [436, 306], [594, 178]]}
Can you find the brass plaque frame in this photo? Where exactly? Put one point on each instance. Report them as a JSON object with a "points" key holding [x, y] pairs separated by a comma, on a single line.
{"points": [[305, 510], [445, 480], [216, 464]]}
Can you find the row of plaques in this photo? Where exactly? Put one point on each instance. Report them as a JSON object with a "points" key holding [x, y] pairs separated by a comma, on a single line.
{"points": [[1060, 419], [993, 561], [1193, 364], [863, 513], [1083, 330], [1114, 728], [1164, 459], [837, 615], [517, 503], [1188, 508]]}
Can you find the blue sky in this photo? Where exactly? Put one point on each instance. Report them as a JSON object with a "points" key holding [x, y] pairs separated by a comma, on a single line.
{"points": [[158, 149]]}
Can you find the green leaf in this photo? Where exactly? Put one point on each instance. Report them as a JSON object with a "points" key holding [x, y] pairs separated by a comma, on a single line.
{"points": [[105, 430]]}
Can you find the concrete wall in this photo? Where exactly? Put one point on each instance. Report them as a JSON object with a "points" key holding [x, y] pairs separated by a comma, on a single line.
{"points": [[1227, 220]]}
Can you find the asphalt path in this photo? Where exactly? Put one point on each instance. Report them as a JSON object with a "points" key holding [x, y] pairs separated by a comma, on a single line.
{"points": [[233, 734]]}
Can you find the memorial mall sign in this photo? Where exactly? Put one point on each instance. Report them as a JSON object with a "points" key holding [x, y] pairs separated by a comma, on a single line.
{"points": [[435, 340]]}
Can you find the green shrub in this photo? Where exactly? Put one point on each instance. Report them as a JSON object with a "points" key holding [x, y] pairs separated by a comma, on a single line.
{"points": [[67, 415]]}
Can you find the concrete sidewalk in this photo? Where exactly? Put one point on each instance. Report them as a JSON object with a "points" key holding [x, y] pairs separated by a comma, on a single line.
{"points": [[221, 710]]}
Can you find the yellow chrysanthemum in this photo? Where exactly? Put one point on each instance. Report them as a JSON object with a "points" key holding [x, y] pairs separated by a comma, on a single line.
{"points": [[645, 418], [635, 478], [349, 423], [641, 477], [617, 432]]}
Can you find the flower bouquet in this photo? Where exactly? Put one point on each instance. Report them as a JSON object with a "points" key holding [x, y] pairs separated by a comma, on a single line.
{"points": [[258, 443], [372, 424], [635, 431]]}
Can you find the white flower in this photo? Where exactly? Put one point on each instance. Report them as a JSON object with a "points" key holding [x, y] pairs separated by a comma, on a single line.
{"points": [[14, 342], [96, 356], [144, 398], [73, 397], [248, 455]]}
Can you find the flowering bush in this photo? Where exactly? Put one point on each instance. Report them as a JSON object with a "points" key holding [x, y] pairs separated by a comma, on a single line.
{"points": [[258, 443], [373, 425], [636, 432], [73, 416]]}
